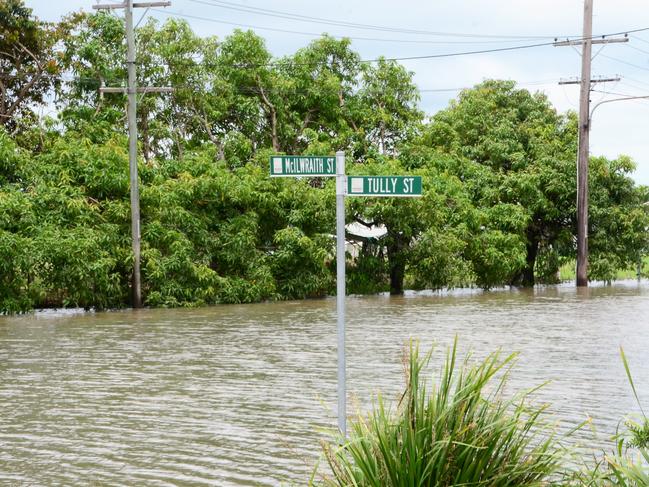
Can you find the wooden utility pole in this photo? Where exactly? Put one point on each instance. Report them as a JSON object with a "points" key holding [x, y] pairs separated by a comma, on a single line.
{"points": [[132, 91], [587, 42], [582, 157]]}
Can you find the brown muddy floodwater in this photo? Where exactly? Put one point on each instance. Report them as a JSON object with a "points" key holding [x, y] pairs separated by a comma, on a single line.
{"points": [[238, 395]]}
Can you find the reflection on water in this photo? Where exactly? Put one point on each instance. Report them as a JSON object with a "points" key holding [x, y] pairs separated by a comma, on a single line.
{"points": [[238, 395]]}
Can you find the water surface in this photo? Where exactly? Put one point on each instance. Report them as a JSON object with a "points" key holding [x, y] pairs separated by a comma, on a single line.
{"points": [[238, 395]]}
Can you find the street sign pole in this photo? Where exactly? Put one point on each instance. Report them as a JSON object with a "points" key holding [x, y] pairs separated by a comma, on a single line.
{"points": [[341, 187], [373, 186]]}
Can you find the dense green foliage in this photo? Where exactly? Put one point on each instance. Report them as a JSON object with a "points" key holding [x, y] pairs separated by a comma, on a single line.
{"points": [[497, 166], [206, 231]]}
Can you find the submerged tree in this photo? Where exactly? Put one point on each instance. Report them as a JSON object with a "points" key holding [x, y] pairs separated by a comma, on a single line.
{"points": [[525, 157], [498, 169]]}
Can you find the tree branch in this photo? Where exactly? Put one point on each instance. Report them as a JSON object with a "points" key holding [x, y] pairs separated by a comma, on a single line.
{"points": [[364, 223], [273, 114]]}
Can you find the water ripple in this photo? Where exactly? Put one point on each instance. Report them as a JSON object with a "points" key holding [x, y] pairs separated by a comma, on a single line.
{"points": [[239, 395]]}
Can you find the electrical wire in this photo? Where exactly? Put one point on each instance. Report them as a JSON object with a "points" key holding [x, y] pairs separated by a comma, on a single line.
{"points": [[58, 77], [625, 62], [342, 23], [314, 34], [636, 80], [468, 87], [636, 48], [404, 58], [409, 58], [641, 39], [634, 86], [615, 93]]}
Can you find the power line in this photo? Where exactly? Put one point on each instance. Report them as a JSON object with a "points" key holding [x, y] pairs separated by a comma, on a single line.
{"points": [[252, 65], [641, 39], [342, 23], [314, 34], [637, 49], [634, 86], [637, 81], [408, 58], [518, 83], [613, 93], [405, 58], [502, 49], [625, 62], [59, 77]]}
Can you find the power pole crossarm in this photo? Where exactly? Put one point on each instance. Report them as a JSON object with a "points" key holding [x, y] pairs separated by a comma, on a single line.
{"points": [[139, 89], [579, 42], [114, 6], [592, 81]]}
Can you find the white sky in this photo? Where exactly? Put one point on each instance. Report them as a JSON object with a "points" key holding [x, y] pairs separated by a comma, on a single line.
{"points": [[618, 127]]}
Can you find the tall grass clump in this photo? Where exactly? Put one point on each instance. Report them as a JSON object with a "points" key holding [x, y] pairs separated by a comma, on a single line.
{"points": [[628, 465], [462, 430]]}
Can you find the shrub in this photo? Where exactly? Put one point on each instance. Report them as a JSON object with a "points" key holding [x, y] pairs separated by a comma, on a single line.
{"points": [[462, 431]]}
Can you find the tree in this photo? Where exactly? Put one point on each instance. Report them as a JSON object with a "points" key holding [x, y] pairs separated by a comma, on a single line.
{"points": [[412, 225], [519, 157], [618, 232], [387, 101], [319, 80], [255, 89], [93, 54], [171, 54], [29, 62]]}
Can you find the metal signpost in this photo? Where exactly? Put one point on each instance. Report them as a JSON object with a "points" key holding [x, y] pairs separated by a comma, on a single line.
{"points": [[374, 186], [341, 291]]}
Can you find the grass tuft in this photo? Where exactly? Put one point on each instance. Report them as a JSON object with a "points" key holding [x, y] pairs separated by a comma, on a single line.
{"points": [[460, 431]]}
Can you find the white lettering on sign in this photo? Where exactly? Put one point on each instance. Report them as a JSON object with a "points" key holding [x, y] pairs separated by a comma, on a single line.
{"points": [[305, 165], [382, 185], [408, 185]]}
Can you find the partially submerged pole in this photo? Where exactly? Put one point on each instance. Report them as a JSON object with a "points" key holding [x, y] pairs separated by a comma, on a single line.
{"points": [[341, 289]]}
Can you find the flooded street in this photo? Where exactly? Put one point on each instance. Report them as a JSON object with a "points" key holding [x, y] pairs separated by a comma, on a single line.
{"points": [[238, 395]]}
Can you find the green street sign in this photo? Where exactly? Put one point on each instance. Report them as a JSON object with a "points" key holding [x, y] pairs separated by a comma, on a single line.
{"points": [[398, 186], [295, 166]]}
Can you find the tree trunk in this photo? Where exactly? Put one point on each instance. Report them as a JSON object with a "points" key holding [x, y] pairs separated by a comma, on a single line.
{"points": [[527, 276], [273, 122], [4, 119], [273, 115], [397, 265]]}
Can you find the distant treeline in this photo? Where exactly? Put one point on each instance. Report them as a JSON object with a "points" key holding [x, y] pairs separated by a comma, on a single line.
{"points": [[498, 168]]}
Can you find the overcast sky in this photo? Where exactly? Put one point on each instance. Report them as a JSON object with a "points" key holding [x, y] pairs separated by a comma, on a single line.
{"points": [[618, 127]]}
